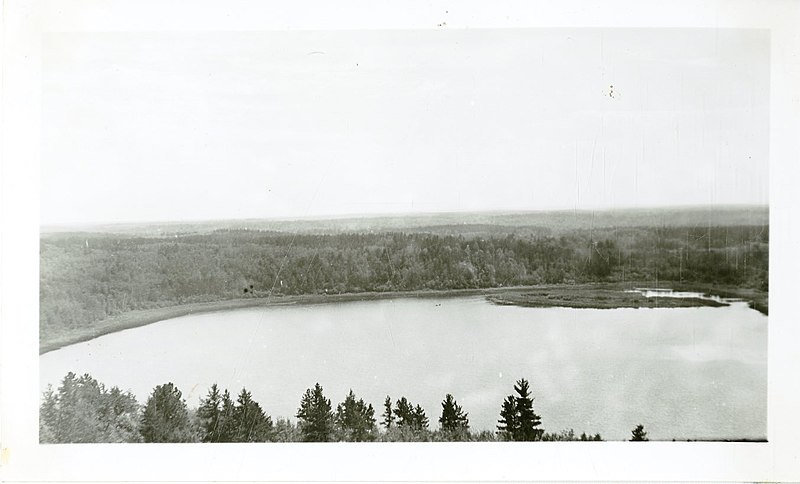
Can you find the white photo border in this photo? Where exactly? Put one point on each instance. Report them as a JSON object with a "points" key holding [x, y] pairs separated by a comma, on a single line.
{"points": [[23, 459]]}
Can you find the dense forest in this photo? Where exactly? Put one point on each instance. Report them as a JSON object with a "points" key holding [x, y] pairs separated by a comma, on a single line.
{"points": [[87, 277], [83, 410]]}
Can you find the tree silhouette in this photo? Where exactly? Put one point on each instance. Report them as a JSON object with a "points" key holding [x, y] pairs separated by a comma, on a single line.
{"points": [[250, 421], [209, 414], [527, 418], [518, 421], [355, 419], [315, 416], [410, 416], [453, 417], [638, 434], [404, 412], [165, 418], [227, 424], [388, 415], [420, 419], [508, 418]]}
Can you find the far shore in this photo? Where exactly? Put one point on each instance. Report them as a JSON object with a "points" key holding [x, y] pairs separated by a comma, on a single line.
{"points": [[588, 295]]}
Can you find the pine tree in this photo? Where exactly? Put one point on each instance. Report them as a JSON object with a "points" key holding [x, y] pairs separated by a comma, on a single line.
{"points": [[518, 421], [227, 424], [410, 416], [210, 416], [315, 416], [638, 434], [388, 415], [453, 417], [355, 419], [165, 417], [508, 418], [404, 412], [250, 421], [420, 420], [527, 419]]}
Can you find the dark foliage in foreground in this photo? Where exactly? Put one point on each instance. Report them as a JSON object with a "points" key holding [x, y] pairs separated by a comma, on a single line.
{"points": [[315, 416], [355, 420], [210, 417], [410, 415], [82, 410], [388, 414], [518, 421], [569, 436], [86, 278], [221, 420], [249, 422], [453, 417], [165, 417], [638, 434]]}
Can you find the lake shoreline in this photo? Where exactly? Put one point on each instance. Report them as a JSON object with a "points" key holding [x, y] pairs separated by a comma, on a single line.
{"points": [[598, 299], [586, 295]]}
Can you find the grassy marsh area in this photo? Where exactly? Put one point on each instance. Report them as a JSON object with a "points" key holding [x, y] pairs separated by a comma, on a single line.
{"points": [[757, 299], [592, 296]]}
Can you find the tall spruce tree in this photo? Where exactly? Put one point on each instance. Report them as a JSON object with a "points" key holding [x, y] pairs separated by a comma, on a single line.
{"points": [[388, 413], [404, 412], [410, 416], [518, 421], [507, 425], [250, 421], [165, 417], [315, 416], [355, 419], [209, 414], [227, 424], [420, 420], [453, 417], [527, 418]]}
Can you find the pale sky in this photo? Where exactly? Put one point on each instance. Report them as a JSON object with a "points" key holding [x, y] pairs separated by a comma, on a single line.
{"points": [[157, 127]]}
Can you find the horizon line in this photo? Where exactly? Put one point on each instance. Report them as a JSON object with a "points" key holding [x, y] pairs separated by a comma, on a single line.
{"points": [[356, 215]]}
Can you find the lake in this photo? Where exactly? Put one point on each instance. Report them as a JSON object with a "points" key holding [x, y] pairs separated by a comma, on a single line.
{"points": [[685, 373]]}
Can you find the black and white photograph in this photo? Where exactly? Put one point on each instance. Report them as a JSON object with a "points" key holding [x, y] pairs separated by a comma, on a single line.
{"points": [[442, 236]]}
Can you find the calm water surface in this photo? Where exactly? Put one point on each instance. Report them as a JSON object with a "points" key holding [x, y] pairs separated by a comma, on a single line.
{"points": [[682, 372]]}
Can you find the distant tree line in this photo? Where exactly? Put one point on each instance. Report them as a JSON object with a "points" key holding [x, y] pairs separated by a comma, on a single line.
{"points": [[85, 278], [82, 410]]}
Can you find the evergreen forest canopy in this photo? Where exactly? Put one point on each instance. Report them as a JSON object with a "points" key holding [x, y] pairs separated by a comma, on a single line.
{"points": [[83, 410], [89, 277]]}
